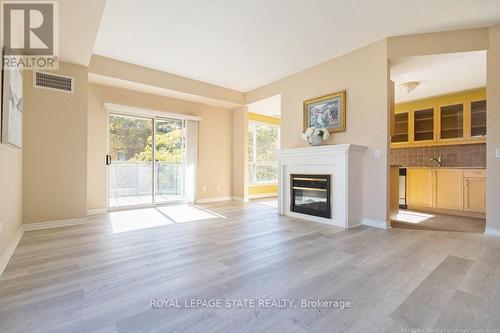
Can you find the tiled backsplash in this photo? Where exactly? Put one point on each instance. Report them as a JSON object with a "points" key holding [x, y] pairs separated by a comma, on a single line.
{"points": [[453, 156]]}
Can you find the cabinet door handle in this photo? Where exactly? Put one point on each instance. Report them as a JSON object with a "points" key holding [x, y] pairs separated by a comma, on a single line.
{"points": [[108, 159]]}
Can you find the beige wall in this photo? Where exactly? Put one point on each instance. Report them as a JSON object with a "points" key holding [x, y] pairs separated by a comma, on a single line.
{"points": [[493, 129], [129, 72], [214, 140], [437, 42], [55, 149], [363, 74], [240, 153], [11, 213]]}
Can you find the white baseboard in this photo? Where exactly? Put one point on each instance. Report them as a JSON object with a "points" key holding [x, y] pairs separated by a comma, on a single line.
{"points": [[492, 232], [91, 212], [240, 199], [54, 224], [213, 200], [376, 223], [262, 195], [9, 251]]}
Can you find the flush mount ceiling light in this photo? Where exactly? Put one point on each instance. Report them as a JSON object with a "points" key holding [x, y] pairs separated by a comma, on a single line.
{"points": [[409, 86]]}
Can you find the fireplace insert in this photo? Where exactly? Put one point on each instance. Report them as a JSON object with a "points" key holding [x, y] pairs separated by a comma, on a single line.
{"points": [[310, 194]]}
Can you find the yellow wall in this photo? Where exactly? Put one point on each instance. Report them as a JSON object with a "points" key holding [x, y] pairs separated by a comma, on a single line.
{"points": [[214, 140], [448, 99], [264, 119], [263, 189]]}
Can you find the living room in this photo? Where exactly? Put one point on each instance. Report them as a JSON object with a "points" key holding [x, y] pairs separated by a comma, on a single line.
{"points": [[172, 170]]}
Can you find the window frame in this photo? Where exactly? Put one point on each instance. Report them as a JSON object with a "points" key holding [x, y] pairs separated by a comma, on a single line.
{"points": [[252, 123]]}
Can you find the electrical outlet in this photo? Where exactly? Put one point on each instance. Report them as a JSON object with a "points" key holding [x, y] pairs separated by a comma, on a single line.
{"points": [[377, 153], [497, 153], [204, 188]]}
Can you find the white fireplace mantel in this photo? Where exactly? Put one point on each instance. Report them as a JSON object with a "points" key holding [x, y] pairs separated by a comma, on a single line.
{"points": [[344, 162]]}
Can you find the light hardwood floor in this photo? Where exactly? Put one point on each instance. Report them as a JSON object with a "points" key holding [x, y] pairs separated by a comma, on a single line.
{"points": [[89, 279], [438, 222]]}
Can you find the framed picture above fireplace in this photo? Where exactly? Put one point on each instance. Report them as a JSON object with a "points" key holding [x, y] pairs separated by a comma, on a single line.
{"points": [[327, 111]]}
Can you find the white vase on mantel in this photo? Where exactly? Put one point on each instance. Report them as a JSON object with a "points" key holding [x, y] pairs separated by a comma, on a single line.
{"points": [[315, 140]]}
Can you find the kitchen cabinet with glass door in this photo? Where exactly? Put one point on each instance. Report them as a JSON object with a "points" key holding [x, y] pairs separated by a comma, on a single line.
{"points": [[451, 122], [454, 119], [477, 119], [423, 125], [400, 134]]}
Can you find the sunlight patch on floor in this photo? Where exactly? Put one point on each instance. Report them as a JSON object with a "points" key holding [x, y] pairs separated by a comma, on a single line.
{"points": [[188, 213], [136, 219], [129, 220], [412, 217]]}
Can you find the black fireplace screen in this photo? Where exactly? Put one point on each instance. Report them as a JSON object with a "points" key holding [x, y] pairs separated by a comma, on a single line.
{"points": [[310, 194]]}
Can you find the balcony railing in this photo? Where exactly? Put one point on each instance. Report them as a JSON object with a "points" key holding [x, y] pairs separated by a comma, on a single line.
{"points": [[132, 180], [263, 173]]}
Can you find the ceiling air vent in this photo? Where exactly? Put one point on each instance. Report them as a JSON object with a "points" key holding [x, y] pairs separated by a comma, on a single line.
{"points": [[54, 82]]}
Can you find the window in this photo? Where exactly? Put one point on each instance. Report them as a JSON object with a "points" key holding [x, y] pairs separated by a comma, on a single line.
{"points": [[263, 141]]}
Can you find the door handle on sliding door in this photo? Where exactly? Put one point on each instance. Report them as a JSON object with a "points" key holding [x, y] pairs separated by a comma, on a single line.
{"points": [[108, 159]]}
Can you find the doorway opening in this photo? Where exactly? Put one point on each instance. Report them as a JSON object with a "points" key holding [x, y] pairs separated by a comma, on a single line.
{"points": [[438, 142]]}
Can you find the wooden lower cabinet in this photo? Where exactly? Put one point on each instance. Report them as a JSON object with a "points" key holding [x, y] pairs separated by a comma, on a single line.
{"points": [[475, 191], [449, 189], [419, 187], [458, 190]]}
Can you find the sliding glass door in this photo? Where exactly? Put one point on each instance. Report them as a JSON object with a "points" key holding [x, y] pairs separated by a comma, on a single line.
{"points": [[130, 167], [145, 161], [169, 160]]}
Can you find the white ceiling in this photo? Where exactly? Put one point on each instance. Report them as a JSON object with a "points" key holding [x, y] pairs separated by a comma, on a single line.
{"points": [[78, 25], [270, 106], [243, 45], [439, 74]]}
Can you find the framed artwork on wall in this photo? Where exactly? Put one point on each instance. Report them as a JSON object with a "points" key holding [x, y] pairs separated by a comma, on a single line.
{"points": [[327, 111], [12, 105]]}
